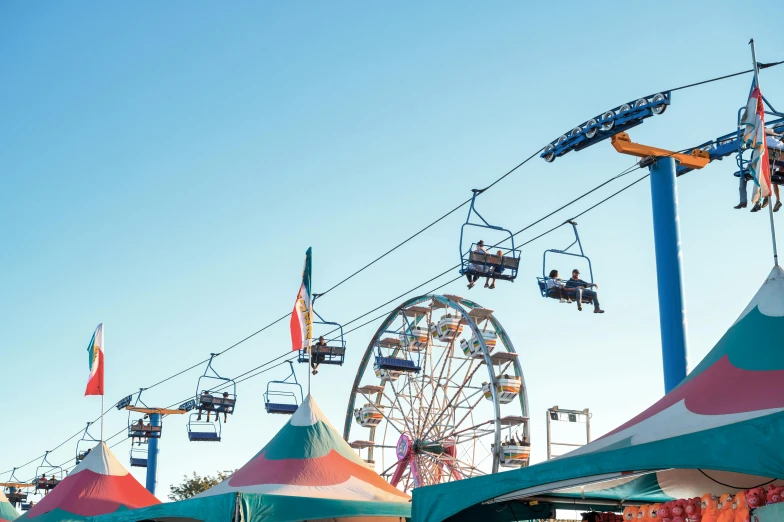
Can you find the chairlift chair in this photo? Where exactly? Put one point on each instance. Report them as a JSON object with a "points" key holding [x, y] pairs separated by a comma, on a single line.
{"points": [[14, 493], [44, 469], [542, 281], [393, 357], [138, 429], [85, 444], [335, 350], [503, 267], [214, 399], [138, 457], [281, 396], [200, 430], [15, 489]]}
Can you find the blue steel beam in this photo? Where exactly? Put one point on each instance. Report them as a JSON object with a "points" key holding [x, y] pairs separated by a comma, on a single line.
{"points": [[666, 233], [152, 455]]}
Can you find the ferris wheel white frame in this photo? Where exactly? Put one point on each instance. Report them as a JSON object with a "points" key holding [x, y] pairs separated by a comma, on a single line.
{"points": [[469, 313]]}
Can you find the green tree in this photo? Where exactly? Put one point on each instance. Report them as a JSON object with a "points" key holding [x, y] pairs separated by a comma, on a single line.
{"points": [[194, 485]]}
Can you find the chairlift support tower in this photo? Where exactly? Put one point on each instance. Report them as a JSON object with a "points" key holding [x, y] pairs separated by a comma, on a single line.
{"points": [[667, 242], [156, 421]]}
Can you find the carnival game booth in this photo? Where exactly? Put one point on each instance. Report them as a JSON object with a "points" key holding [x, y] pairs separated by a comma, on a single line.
{"points": [[720, 431], [99, 484], [306, 472], [7, 511]]}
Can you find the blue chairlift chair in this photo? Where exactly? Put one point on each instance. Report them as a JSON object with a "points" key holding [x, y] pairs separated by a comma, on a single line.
{"points": [[220, 398], [542, 281], [138, 457], [15, 494], [46, 468], [392, 356], [335, 350], [138, 429], [203, 430], [503, 267], [281, 396], [85, 444]]}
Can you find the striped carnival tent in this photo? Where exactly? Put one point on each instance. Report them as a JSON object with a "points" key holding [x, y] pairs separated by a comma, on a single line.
{"points": [[98, 485], [7, 511], [721, 430], [306, 472]]}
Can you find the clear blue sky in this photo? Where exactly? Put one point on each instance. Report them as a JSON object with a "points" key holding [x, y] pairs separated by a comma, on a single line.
{"points": [[164, 166]]}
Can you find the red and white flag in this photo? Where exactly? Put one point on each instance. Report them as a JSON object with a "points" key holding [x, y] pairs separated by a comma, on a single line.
{"points": [[95, 355], [301, 322], [754, 138]]}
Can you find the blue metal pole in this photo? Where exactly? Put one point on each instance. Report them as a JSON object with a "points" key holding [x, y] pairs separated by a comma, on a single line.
{"points": [[152, 455], [666, 233]]}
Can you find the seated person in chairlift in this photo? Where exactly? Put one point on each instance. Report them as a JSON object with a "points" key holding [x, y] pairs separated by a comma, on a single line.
{"points": [[495, 272], [138, 426], [775, 149], [580, 289], [316, 357], [205, 405], [226, 409], [473, 278], [555, 287]]}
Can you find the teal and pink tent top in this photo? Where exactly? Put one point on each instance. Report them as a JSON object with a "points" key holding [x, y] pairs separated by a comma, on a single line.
{"points": [[98, 485], [7, 511], [719, 431], [306, 472]]}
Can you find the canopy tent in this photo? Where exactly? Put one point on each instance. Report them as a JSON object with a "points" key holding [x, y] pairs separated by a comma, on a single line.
{"points": [[306, 472], [7, 511], [720, 430], [98, 485]]}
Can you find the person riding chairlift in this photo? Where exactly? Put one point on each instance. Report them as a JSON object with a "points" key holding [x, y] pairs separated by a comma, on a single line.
{"points": [[775, 149], [473, 278], [495, 272], [205, 404], [317, 357], [138, 426], [556, 287], [582, 289], [226, 409]]}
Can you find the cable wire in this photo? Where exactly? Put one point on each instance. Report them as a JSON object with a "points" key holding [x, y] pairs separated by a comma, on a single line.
{"points": [[761, 66]]}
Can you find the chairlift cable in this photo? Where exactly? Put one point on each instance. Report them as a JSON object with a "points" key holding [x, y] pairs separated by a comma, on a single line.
{"points": [[761, 66]]}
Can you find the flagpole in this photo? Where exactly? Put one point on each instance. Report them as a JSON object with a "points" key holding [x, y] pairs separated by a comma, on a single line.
{"points": [[102, 395], [770, 196]]}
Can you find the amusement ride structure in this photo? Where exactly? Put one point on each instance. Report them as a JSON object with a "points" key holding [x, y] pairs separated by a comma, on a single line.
{"points": [[438, 388]]}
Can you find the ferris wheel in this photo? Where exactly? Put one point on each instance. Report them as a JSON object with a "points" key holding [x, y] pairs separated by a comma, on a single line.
{"points": [[439, 395]]}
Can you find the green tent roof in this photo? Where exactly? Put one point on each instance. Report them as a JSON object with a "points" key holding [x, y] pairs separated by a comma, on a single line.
{"points": [[719, 431]]}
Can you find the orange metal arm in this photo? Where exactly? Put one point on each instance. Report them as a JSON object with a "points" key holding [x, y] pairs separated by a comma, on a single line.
{"points": [[16, 485], [623, 144], [162, 411]]}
